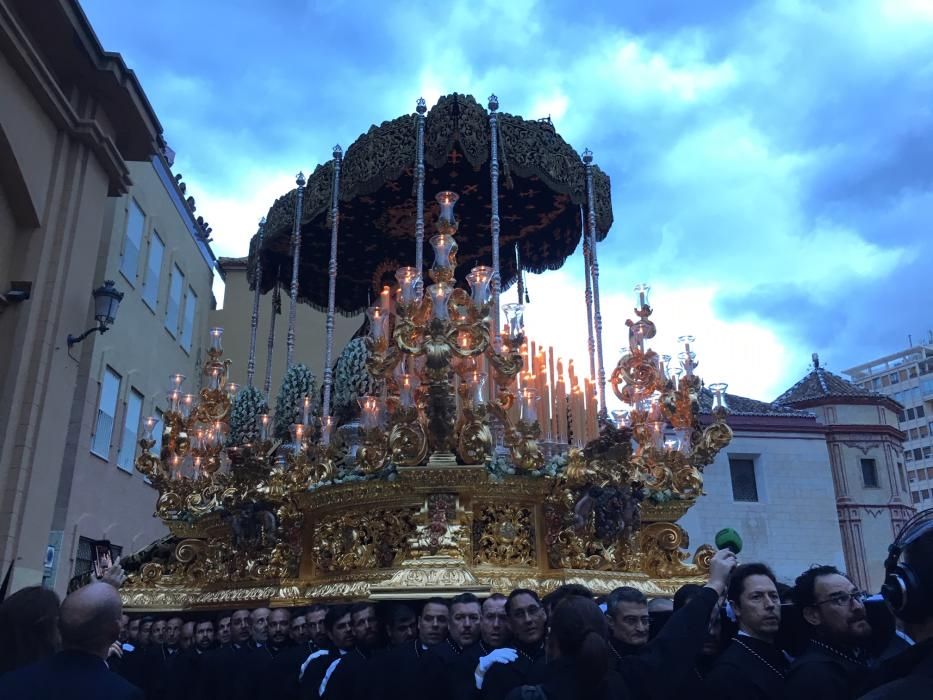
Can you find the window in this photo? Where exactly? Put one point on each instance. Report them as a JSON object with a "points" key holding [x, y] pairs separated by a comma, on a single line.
{"points": [[903, 375], [920, 412], [187, 328], [923, 431], [173, 309], [134, 410], [915, 496], [894, 378], [930, 473], [910, 414], [928, 452], [900, 470], [744, 485], [925, 494], [908, 456], [901, 416], [106, 410], [870, 474], [132, 241], [84, 557], [876, 383], [153, 271]]}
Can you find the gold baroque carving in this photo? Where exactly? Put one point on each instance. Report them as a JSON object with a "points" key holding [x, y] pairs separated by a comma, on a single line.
{"points": [[362, 541], [503, 535]]}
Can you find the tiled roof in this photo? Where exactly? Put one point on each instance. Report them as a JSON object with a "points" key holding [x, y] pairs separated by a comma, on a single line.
{"points": [[819, 383], [744, 406]]}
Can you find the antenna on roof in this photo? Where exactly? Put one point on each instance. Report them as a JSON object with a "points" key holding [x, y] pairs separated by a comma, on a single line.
{"points": [[910, 340], [816, 361]]}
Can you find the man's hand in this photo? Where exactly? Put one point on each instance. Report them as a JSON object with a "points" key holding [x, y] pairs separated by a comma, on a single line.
{"points": [[116, 649], [114, 574], [720, 568]]}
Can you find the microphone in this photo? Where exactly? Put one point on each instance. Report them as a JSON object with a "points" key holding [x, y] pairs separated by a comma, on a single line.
{"points": [[728, 538]]}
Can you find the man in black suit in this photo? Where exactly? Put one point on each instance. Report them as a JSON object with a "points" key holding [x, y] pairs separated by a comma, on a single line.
{"points": [[752, 667], [836, 665], [89, 622]]}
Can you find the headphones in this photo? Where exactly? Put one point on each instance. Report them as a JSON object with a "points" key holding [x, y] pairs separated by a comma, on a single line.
{"points": [[902, 587]]}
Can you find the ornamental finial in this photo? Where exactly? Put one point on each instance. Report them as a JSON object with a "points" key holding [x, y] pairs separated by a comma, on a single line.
{"points": [[300, 179], [422, 106], [338, 152], [493, 103], [587, 156], [262, 221]]}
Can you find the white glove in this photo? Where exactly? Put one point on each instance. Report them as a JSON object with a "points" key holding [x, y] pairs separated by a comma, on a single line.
{"points": [[497, 656]]}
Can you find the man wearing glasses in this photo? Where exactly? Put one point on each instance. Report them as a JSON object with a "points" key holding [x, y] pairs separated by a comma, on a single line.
{"points": [[835, 664]]}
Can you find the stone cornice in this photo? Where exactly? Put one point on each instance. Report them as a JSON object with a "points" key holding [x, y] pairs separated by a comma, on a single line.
{"points": [[26, 61]]}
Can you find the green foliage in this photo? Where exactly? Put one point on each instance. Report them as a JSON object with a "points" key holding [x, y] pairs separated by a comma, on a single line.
{"points": [[352, 380], [244, 416], [298, 383]]}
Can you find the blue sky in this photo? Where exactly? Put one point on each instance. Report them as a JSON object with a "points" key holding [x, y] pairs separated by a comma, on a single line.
{"points": [[772, 162]]}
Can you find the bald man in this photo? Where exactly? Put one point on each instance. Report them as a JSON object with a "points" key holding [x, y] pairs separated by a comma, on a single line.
{"points": [[89, 622]]}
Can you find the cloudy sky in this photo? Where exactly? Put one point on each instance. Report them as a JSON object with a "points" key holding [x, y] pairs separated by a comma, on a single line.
{"points": [[771, 162]]}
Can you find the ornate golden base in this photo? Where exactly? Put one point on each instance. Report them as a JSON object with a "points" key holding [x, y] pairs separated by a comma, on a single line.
{"points": [[432, 531]]}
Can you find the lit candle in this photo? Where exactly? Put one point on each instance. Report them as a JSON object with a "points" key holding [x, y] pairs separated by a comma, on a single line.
{"points": [[264, 422], [187, 403], [327, 427], [214, 379], [306, 410], [385, 300], [216, 334], [173, 398], [149, 424], [369, 419], [218, 433], [298, 434], [477, 386], [177, 380], [232, 388], [405, 395]]}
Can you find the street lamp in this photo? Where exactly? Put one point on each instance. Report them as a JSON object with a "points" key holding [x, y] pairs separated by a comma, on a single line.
{"points": [[106, 302]]}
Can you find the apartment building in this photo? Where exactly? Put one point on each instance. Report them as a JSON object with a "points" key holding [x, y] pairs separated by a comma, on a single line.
{"points": [[907, 377]]}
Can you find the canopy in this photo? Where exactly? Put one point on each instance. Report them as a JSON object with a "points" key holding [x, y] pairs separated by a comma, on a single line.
{"points": [[541, 200]]}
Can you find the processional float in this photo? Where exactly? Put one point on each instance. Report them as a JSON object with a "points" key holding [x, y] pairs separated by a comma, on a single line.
{"points": [[444, 453]]}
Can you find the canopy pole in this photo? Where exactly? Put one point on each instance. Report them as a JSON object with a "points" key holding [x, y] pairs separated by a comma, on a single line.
{"points": [[494, 219], [521, 281], [270, 346], [588, 295], [254, 322], [419, 187], [594, 271], [332, 282], [296, 259]]}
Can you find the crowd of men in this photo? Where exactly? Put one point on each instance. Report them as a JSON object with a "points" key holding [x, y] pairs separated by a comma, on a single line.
{"points": [[466, 648], [742, 635]]}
